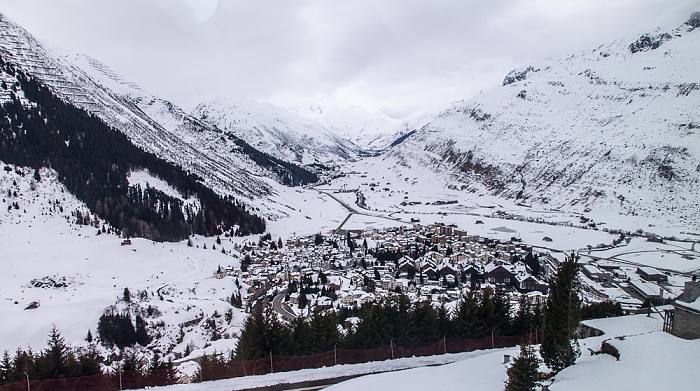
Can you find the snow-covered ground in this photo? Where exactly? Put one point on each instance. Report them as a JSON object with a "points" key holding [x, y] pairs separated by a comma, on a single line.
{"points": [[649, 360], [76, 273]]}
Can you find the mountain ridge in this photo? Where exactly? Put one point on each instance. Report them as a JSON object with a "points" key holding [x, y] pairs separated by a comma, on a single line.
{"points": [[275, 130]]}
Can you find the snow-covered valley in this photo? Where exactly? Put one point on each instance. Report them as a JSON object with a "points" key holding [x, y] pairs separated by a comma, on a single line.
{"points": [[595, 153]]}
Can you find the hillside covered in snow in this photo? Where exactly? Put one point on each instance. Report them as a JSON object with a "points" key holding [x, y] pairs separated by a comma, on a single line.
{"points": [[612, 130]]}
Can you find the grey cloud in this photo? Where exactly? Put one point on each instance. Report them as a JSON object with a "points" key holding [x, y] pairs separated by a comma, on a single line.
{"points": [[395, 55]]}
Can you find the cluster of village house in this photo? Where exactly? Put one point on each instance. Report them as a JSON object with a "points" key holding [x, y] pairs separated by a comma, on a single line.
{"points": [[437, 261]]}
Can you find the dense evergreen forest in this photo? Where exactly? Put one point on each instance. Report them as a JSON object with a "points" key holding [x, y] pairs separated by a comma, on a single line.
{"points": [[93, 161]]}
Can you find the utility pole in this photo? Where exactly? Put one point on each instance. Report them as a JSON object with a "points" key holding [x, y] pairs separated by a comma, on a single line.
{"points": [[272, 368], [29, 388], [444, 342], [335, 353], [392, 348]]}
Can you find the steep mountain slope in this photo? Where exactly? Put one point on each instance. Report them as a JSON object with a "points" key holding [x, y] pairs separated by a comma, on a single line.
{"points": [[225, 147], [95, 162], [227, 164], [276, 131], [612, 129]]}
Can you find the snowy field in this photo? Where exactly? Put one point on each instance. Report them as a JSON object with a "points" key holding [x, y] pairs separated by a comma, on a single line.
{"points": [[406, 192], [670, 255]]}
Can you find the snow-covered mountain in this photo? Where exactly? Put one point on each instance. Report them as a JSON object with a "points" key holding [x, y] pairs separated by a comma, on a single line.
{"points": [[369, 130], [276, 131], [611, 129], [227, 164]]}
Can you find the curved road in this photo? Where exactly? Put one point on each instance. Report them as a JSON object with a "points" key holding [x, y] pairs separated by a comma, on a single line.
{"points": [[282, 308], [351, 211]]}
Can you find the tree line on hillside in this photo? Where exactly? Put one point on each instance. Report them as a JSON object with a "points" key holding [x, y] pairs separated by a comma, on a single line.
{"points": [[395, 320], [93, 161], [58, 360], [118, 330], [61, 361], [289, 174]]}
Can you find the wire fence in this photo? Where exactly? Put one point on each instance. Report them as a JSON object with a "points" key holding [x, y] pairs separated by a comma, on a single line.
{"points": [[213, 370]]}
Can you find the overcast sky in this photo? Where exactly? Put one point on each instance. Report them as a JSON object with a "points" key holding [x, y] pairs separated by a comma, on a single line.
{"points": [[399, 56]]}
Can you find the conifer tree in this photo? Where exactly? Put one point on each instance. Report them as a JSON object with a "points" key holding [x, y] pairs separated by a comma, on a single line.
{"points": [[88, 362], [463, 324], [5, 367], [262, 333], [163, 371], [303, 301], [523, 317], [131, 361], [523, 375], [236, 300], [443, 322], [142, 337], [562, 314], [401, 321], [56, 358]]}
